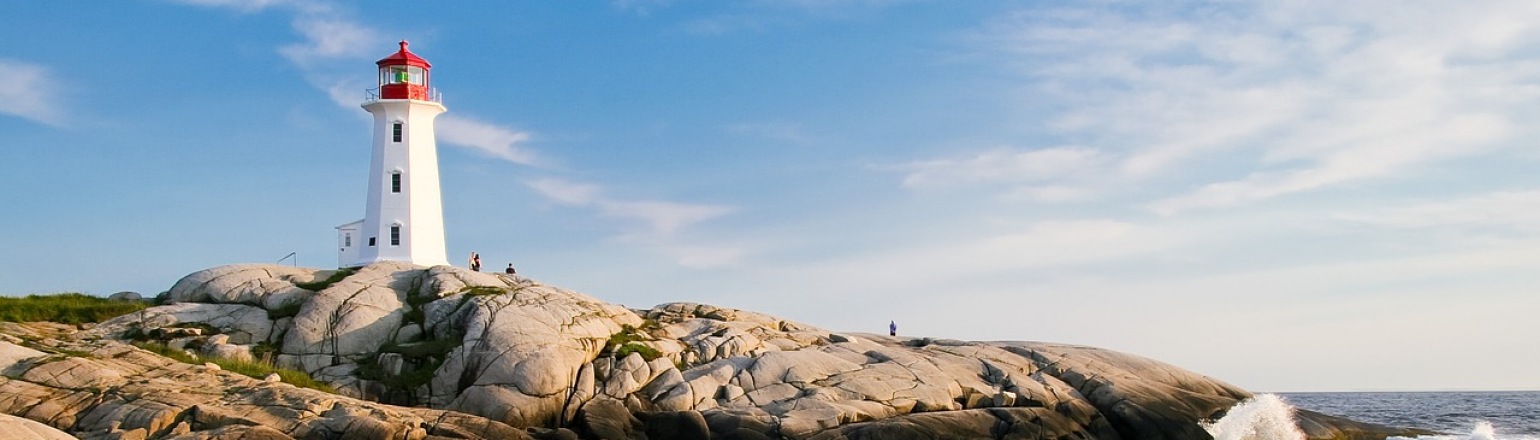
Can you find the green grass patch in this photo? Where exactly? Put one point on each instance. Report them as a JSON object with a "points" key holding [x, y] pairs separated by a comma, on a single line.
{"points": [[649, 325], [648, 353], [163, 350], [336, 275], [252, 369], [627, 334], [629, 340], [482, 290], [67, 308], [264, 350]]}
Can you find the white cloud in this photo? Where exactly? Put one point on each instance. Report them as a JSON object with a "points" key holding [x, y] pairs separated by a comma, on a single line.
{"points": [[661, 223], [662, 219], [1293, 96], [346, 94], [706, 257], [493, 140], [331, 38], [640, 7], [1504, 210], [1049, 193], [765, 14], [30, 92], [1380, 155], [566, 193], [242, 5], [1002, 165], [1044, 244]]}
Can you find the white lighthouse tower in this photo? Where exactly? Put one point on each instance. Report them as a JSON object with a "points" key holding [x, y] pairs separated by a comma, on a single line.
{"points": [[404, 213]]}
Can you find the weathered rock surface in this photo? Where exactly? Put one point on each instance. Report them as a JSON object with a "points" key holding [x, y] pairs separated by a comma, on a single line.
{"points": [[107, 389], [501, 352], [17, 428]]}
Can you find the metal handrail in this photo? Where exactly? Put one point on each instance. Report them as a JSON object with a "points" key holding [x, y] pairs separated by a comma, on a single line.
{"points": [[371, 95], [294, 255]]}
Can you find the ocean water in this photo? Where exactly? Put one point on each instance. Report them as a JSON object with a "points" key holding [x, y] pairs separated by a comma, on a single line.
{"points": [[1460, 415]]}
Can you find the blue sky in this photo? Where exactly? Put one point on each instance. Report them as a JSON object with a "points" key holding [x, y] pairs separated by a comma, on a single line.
{"points": [[1287, 195]]}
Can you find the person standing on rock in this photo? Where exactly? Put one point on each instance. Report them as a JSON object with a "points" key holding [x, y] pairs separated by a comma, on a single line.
{"points": [[475, 262], [892, 328], [509, 270]]}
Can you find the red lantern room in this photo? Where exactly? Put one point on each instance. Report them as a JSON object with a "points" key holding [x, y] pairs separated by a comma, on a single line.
{"points": [[404, 75]]}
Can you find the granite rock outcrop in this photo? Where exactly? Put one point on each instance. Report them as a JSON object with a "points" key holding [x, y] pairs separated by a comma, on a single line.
{"points": [[498, 355]]}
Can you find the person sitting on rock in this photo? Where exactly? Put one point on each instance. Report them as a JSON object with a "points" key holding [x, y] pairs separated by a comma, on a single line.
{"points": [[509, 270], [475, 262]]}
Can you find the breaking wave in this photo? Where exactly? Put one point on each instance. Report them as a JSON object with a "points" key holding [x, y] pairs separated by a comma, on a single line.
{"points": [[1269, 417], [1482, 431], [1262, 417]]}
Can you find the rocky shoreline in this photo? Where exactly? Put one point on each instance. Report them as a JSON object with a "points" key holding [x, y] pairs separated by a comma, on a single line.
{"points": [[430, 353]]}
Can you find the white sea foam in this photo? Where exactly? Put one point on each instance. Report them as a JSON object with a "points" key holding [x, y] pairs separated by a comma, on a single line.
{"points": [[1262, 417], [1482, 431]]}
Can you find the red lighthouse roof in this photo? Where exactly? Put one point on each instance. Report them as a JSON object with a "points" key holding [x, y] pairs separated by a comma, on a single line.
{"points": [[403, 58], [404, 75]]}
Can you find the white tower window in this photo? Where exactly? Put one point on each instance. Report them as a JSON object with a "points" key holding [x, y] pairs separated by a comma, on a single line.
{"points": [[395, 235], [395, 182], [395, 132]]}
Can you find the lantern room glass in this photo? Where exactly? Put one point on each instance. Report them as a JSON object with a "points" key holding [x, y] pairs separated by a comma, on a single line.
{"points": [[403, 75]]}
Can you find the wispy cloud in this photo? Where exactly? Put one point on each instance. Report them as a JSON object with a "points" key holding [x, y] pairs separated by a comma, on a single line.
{"points": [[1003, 165], [640, 7], [1500, 211], [566, 193], [767, 14], [30, 92], [330, 38], [490, 139], [1039, 245], [1414, 142], [1049, 193], [243, 5], [706, 257], [661, 222], [1297, 96], [662, 218]]}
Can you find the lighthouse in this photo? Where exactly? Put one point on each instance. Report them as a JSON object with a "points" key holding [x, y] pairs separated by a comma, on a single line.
{"points": [[404, 210]]}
